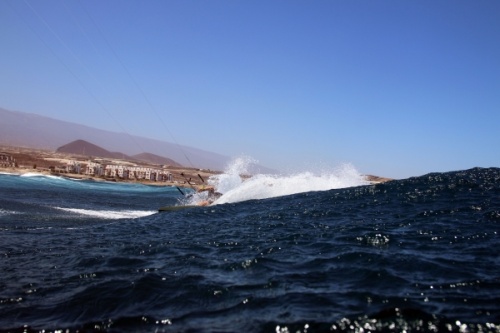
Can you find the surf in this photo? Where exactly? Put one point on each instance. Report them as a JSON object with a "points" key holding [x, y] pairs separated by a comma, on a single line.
{"points": [[107, 214], [235, 184]]}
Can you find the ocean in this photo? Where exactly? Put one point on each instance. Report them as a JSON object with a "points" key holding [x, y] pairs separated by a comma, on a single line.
{"points": [[300, 253]]}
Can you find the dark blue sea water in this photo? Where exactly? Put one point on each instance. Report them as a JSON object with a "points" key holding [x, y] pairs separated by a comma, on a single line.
{"points": [[413, 255]]}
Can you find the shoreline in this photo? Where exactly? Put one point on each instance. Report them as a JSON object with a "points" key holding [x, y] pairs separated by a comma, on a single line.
{"points": [[51, 163], [19, 171], [22, 160], [373, 180]]}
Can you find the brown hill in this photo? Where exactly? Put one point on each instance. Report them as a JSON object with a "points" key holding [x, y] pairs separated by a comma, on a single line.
{"points": [[155, 159], [82, 147]]}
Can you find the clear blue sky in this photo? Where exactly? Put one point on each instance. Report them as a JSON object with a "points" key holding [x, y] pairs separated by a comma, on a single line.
{"points": [[397, 88]]}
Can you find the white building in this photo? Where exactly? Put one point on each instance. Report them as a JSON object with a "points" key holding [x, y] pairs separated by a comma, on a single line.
{"points": [[73, 167], [95, 169], [137, 172]]}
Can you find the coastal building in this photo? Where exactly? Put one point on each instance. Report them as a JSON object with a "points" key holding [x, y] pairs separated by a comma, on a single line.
{"points": [[136, 173], [165, 177], [123, 172], [95, 169], [139, 173], [110, 171], [7, 160], [73, 167], [117, 171]]}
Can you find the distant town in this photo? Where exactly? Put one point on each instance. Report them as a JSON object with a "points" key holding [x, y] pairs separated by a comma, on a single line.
{"points": [[19, 160], [98, 169]]}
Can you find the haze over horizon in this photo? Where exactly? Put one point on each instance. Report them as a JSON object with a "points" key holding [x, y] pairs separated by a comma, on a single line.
{"points": [[398, 89]]}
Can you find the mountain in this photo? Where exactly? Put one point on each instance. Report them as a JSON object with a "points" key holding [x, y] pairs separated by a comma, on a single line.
{"points": [[82, 147], [35, 131], [155, 159]]}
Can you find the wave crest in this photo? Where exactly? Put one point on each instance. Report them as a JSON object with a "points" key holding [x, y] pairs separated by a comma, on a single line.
{"points": [[235, 185]]}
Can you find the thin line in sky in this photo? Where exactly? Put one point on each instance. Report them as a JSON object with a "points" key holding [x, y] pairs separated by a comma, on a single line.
{"points": [[151, 106], [47, 25]]}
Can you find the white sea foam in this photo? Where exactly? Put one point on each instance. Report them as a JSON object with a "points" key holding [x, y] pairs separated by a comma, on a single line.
{"points": [[108, 214], [4, 212], [9, 173], [34, 174], [261, 186]]}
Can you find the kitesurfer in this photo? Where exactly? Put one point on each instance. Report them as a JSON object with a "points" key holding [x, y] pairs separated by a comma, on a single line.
{"points": [[211, 195]]}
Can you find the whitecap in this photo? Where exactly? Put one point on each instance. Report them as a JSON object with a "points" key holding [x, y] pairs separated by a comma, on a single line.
{"points": [[4, 212], [9, 173], [35, 174], [108, 214]]}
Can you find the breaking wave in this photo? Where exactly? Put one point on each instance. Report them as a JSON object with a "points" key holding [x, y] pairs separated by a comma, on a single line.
{"points": [[235, 184]]}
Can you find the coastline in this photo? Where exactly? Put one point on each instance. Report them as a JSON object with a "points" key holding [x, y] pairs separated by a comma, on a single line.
{"points": [[50, 163], [19, 171]]}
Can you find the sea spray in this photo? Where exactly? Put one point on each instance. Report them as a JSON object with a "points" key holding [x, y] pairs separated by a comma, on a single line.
{"points": [[235, 187], [232, 176]]}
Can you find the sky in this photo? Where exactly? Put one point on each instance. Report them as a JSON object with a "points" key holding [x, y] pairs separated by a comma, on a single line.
{"points": [[395, 88]]}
